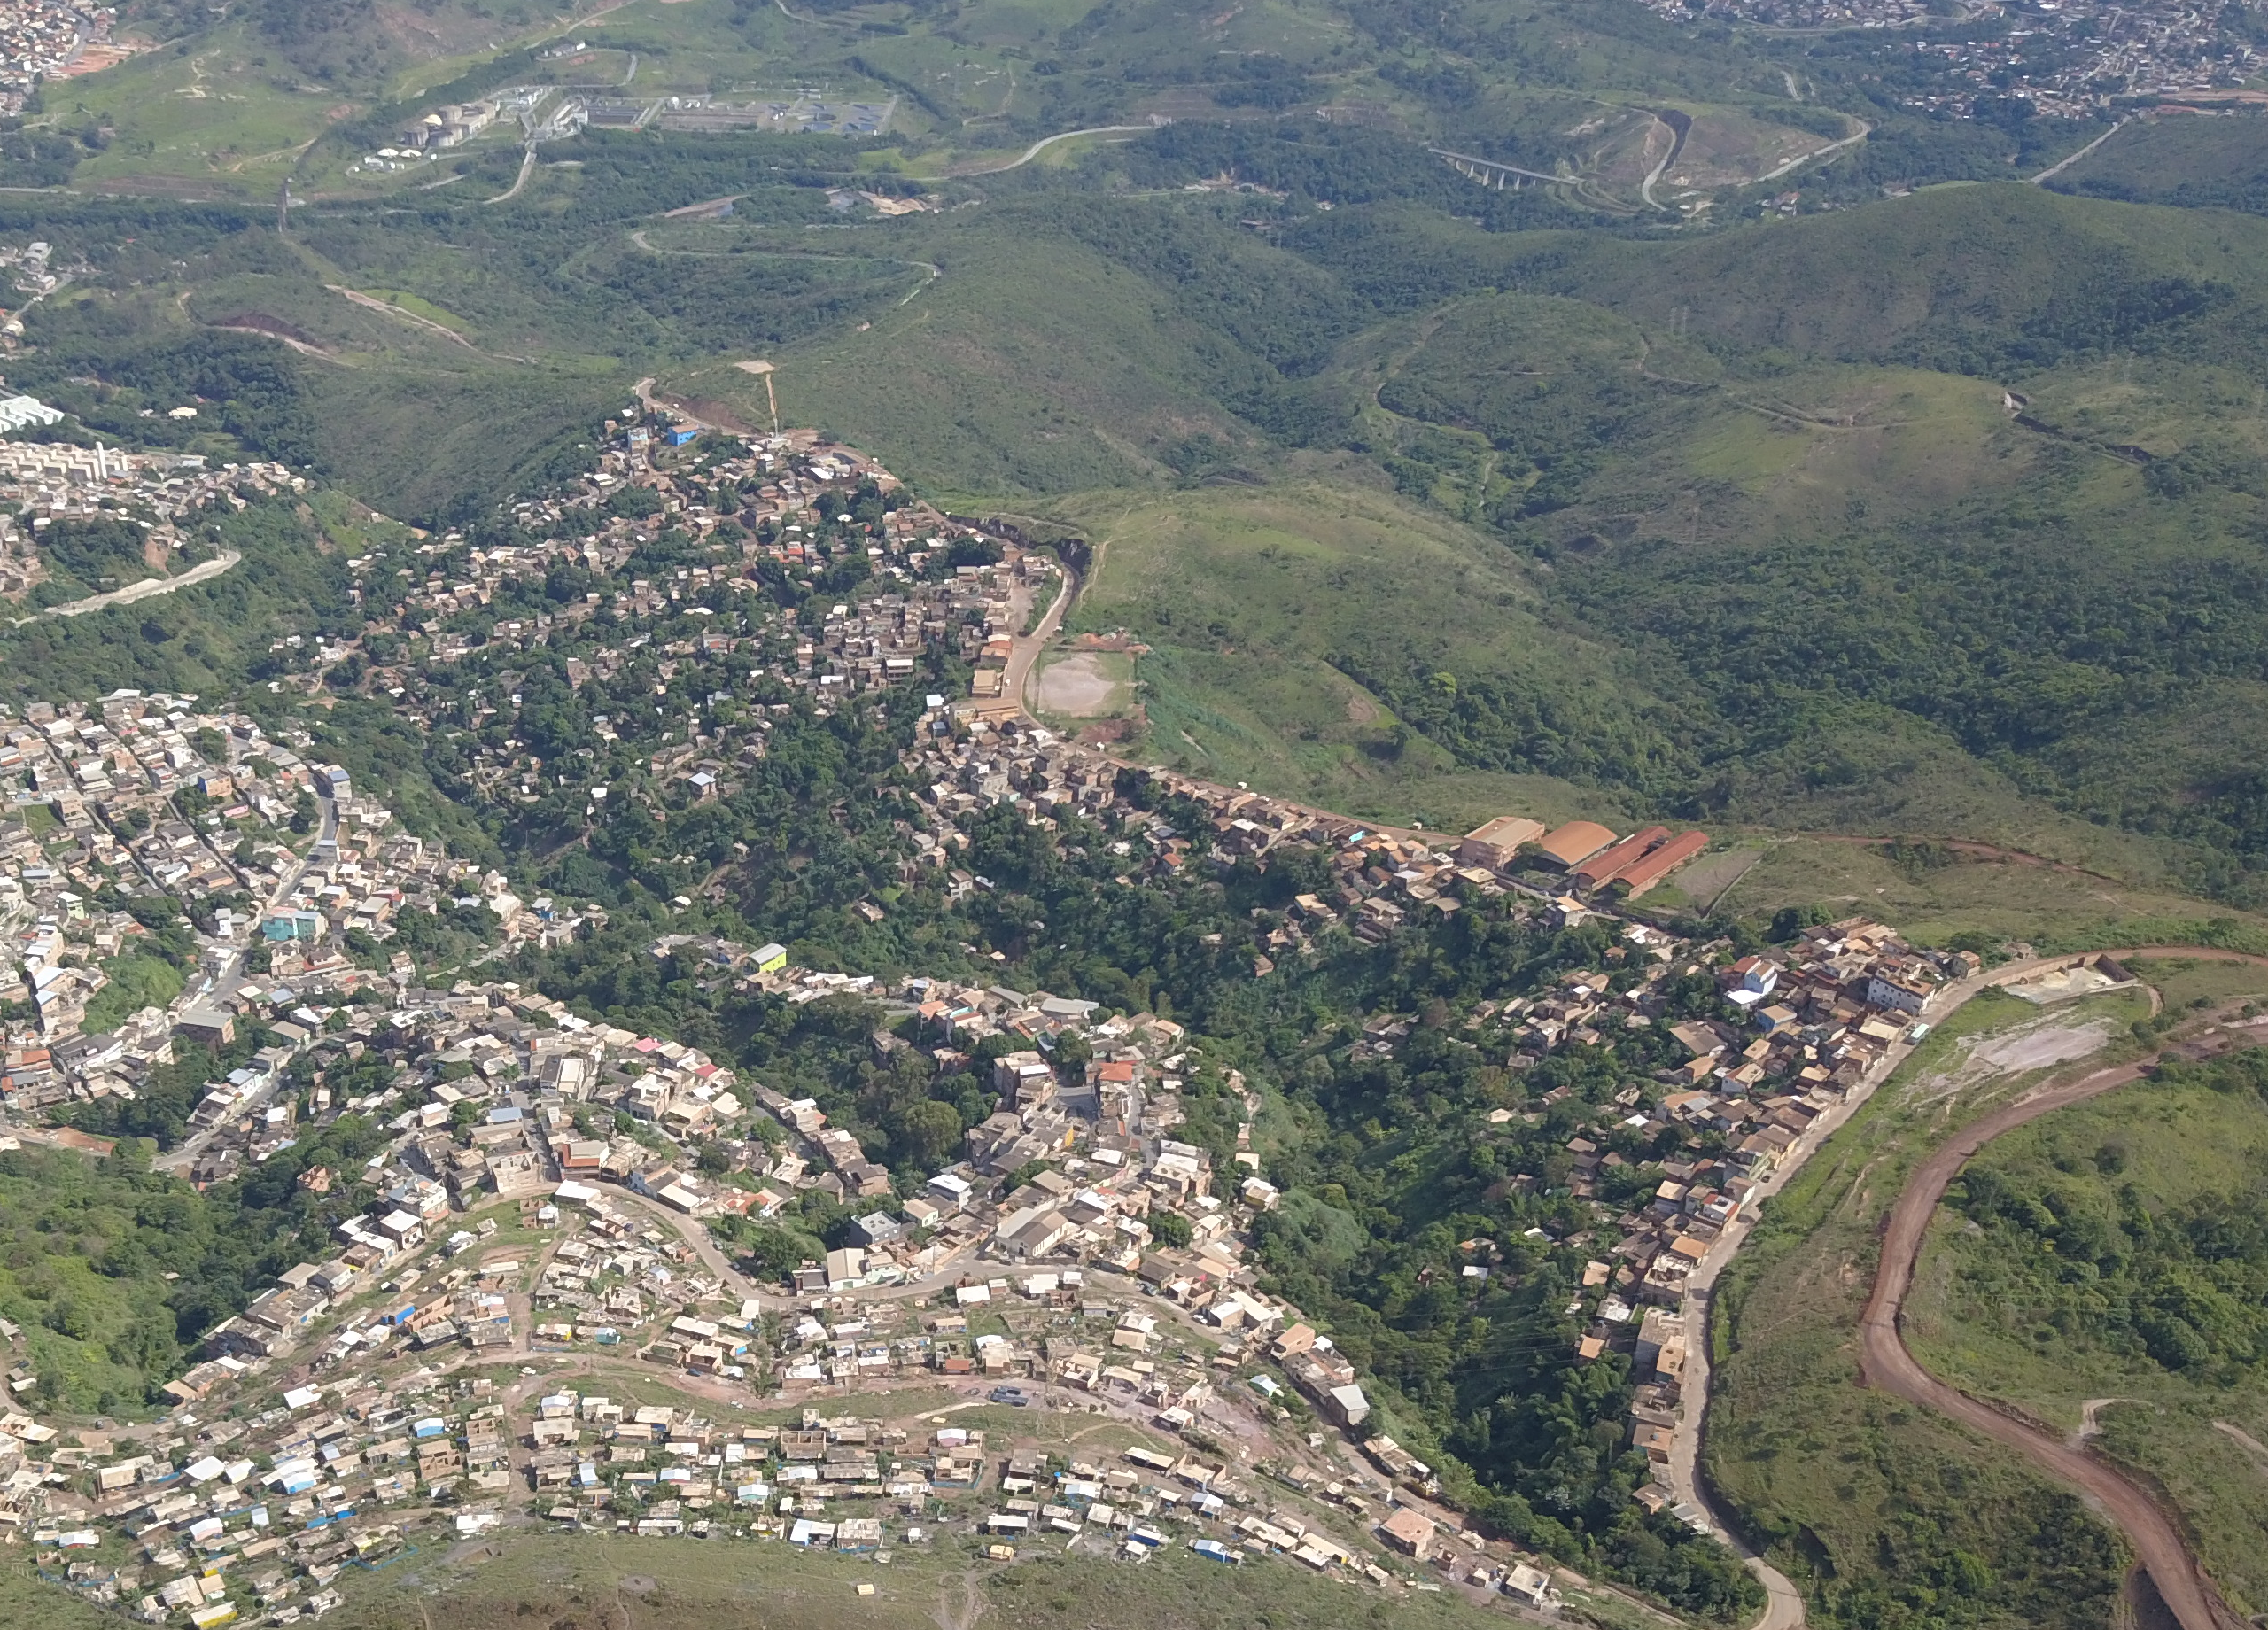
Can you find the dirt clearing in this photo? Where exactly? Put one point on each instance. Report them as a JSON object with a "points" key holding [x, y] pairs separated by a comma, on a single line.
{"points": [[2036, 1049], [1087, 684]]}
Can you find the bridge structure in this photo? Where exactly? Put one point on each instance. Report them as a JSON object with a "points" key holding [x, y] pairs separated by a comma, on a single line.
{"points": [[1491, 173]]}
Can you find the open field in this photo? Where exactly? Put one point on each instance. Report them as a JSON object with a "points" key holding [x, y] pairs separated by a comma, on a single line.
{"points": [[1087, 684], [1854, 1494], [26, 1599], [1258, 604], [216, 115], [2191, 981], [594, 1580], [1934, 896], [2179, 159]]}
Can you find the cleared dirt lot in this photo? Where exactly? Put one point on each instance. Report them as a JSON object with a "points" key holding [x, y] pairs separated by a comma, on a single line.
{"points": [[1087, 684]]}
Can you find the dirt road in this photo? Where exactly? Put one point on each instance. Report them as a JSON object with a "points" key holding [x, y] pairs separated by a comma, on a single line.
{"points": [[1784, 1608], [1026, 649], [149, 588], [1886, 1363]]}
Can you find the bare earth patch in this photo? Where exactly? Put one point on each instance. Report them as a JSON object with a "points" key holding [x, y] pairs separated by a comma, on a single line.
{"points": [[2031, 1050], [1081, 686], [2037, 1045]]}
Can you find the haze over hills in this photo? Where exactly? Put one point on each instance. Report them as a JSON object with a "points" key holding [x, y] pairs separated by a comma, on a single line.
{"points": [[1848, 441]]}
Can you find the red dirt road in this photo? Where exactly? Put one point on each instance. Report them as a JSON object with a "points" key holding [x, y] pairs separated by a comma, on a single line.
{"points": [[1887, 1365]]}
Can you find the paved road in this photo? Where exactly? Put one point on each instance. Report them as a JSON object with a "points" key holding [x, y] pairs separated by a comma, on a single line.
{"points": [[2058, 167], [1784, 1606], [223, 979], [1676, 146], [1865, 130], [527, 168], [1045, 142]]}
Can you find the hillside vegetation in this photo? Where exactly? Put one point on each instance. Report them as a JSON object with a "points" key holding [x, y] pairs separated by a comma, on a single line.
{"points": [[1883, 1513], [2215, 163], [2115, 1251], [1936, 518], [1259, 604], [115, 1273]]}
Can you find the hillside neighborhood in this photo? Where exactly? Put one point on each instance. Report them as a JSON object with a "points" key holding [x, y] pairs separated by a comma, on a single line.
{"points": [[543, 1313], [518, 1224]]}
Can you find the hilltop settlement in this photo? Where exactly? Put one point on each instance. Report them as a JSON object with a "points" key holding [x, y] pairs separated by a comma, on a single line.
{"points": [[551, 1290]]}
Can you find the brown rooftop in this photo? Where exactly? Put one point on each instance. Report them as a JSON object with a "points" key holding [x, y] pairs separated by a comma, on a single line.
{"points": [[1575, 843]]}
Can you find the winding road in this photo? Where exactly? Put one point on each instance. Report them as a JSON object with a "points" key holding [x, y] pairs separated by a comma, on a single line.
{"points": [[1680, 125], [1887, 1363], [1045, 142], [527, 168]]}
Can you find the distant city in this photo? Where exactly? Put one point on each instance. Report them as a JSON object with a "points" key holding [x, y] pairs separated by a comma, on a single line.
{"points": [[46, 39], [2068, 58]]}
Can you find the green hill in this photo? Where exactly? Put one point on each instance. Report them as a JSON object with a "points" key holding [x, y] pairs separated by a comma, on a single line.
{"points": [[1897, 594], [1966, 278], [1271, 662], [2150, 1199], [2216, 162], [113, 1273], [1031, 364], [1933, 517]]}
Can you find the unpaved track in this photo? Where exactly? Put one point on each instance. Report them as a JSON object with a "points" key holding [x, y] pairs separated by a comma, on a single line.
{"points": [[148, 588], [1886, 1363]]}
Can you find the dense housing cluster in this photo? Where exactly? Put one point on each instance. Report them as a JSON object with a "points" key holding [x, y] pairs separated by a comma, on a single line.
{"points": [[160, 495], [1082, 1215], [2066, 60], [46, 39], [547, 1184]]}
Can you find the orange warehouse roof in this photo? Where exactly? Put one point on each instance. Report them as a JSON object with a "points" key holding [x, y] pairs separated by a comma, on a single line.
{"points": [[1575, 843], [1639, 878], [1607, 862]]}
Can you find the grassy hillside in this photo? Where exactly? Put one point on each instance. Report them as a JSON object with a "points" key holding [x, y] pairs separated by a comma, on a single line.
{"points": [[113, 1273], [2211, 162], [1269, 663], [1931, 517], [1935, 893], [1030, 363], [79, 1280], [24, 1599], [1882, 1512], [2007, 274], [2108, 1253], [1906, 596], [682, 1584]]}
